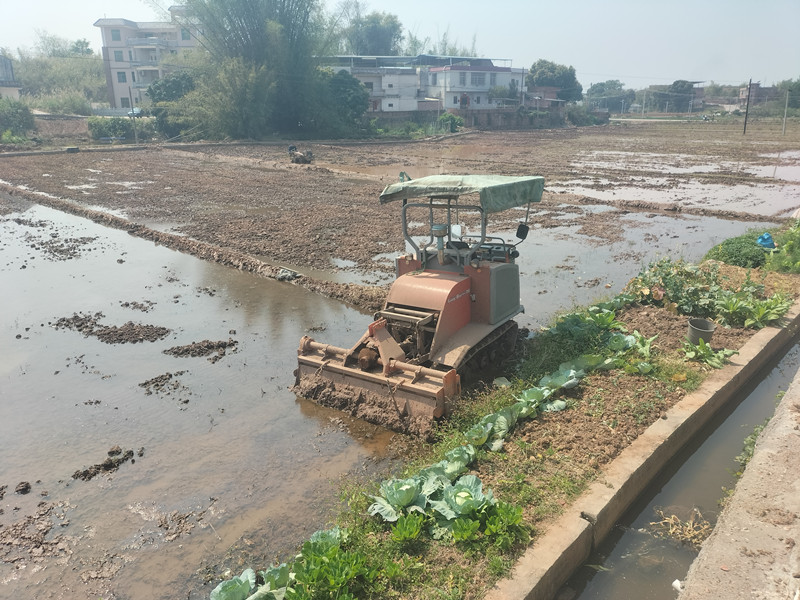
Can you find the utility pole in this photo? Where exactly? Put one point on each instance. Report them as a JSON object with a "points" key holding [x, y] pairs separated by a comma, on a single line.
{"points": [[785, 110], [747, 106], [133, 116]]}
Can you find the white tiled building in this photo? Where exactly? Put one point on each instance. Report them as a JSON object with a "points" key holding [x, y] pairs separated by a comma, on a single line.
{"points": [[133, 53], [409, 83], [465, 84]]}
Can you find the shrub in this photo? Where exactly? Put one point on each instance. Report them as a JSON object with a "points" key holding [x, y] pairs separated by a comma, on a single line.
{"points": [[15, 117], [742, 251], [110, 127], [63, 103], [579, 117], [452, 121]]}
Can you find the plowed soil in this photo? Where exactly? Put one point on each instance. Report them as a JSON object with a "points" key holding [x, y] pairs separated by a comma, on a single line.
{"points": [[250, 208]]}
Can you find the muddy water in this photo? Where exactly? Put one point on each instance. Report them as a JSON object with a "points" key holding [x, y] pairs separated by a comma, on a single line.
{"points": [[636, 564], [689, 181], [232, 463], [561, 268]]}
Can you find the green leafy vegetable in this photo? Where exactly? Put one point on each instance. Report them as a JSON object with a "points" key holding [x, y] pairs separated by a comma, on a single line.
{"points": [[237, 588], [397, 495]]}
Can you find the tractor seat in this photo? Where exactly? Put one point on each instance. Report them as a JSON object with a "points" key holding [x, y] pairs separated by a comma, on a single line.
{"points": [[456, 245]]}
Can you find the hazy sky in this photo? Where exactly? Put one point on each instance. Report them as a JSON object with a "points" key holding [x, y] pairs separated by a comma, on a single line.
{"points": [[639, 42]]}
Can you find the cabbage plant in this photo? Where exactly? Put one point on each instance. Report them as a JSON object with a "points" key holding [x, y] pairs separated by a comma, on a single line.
{"points": [[465, 498], [398, 496]]}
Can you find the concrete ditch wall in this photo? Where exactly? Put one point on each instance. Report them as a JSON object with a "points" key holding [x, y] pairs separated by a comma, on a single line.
{"points": [[569, 541]]}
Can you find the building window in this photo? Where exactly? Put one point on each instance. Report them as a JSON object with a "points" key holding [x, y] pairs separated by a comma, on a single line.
{"points": [[130, 55], [477, 79], [433, 79], [477, 99], [116, 36], [462, 78], [185, 34], [117, 55], [124, 103], [121, 77], [133, 76], [492, 79], [391, 85], [455, 99], [391, 105]]}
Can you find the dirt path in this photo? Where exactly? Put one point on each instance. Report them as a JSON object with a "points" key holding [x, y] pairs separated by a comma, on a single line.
{"points": [[754, 549]]}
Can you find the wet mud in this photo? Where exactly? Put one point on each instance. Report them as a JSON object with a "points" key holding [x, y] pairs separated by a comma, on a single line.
{"points": [[379, 409], [116, 458], [128, 333], [213, 350]]}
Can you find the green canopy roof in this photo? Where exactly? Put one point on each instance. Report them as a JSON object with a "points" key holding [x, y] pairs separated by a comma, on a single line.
{"points": [[497, 192]]}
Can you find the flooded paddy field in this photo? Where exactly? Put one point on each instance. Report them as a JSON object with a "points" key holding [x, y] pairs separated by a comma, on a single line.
{"points": [[180, 365]]}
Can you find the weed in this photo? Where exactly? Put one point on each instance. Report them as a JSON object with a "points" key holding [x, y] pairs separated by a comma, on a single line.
{"points": [[466, 530], [749, 447], [408, 527], [692, 532], [703, 352]]}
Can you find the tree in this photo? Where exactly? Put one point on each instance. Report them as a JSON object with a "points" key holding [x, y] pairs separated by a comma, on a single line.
{"points": [[268, 44], [546, 73], [382, 34], [338, 102], [444, 47], [610, 95], [504, 92], [61, 68], [681, 94], [793, 87], [374, 34], [414, 45], [350, 97], [171, 87], [80, 48]]}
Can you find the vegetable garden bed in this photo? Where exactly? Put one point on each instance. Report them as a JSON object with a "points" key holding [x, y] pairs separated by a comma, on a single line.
{"points": [[515, 455]]}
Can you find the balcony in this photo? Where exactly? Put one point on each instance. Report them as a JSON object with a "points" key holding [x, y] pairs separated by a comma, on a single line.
{"points": [[150, 42]]}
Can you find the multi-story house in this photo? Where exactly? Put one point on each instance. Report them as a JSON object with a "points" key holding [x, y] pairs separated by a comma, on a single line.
{"points": [[758, 94], [134, 53], [425, 82], [464, 83], [392, 81], [9, 88]]}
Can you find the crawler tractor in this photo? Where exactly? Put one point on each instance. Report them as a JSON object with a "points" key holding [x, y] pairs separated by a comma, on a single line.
{"points": [[449, 312]]}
